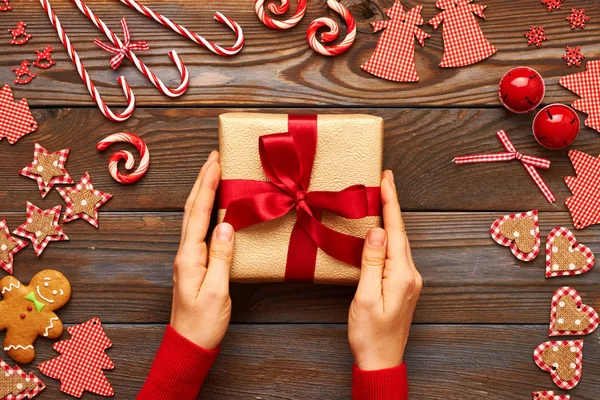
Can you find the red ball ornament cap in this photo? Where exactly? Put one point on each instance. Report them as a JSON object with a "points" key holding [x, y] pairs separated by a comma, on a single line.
{"points": [[521, 90], [556, 126]]}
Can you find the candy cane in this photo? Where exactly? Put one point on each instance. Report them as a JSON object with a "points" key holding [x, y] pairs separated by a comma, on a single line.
{"points": [[183, 31], [62, 35], [113, 162], [183, 71], [259, 7], [326, 37]]}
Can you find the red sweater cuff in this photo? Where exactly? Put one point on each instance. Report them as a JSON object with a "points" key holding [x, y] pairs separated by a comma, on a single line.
{"points": [[383, 384], [178, 370]]}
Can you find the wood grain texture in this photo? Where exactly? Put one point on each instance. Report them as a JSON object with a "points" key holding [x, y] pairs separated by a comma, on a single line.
{"points": [[279, 68]]}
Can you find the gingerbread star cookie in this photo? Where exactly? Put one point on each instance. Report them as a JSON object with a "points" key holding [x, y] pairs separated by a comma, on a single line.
{"points": [[563, 360], [9, 246], [83, 201], [564, 256], [549, 395], [48, 169], [41, 227], [519, 232], [569, 316]]}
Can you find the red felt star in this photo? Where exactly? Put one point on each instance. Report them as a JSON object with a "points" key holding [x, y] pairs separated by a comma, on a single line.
{"points": [[578, 18], [9, 246], [587, 86], [552, 4], [536, 36], [48, 169], [83, 201], [16, 120], [584, 205], [41, 227], [573, 56]]}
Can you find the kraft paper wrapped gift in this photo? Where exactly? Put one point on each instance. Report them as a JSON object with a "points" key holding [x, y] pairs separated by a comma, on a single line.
{"points": [[286, 231]]}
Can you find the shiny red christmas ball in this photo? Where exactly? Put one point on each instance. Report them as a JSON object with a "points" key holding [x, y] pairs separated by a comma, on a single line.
{"points": [[556, 126], [521, 89]]}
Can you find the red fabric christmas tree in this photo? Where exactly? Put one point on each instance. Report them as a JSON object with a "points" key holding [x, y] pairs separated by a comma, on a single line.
{"points": [[80, 366], [16, 120], [587, 86], [584, 205]]}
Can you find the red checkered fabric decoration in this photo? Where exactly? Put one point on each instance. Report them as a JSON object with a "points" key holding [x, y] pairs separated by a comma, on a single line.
{"points": [[549, 395], [573, 56], [573, 346], [57, 233], [578, 18], [85, 184], [25, 394], [79, 367], [34, 169], [6, 242], [16, 120], [464, 42], [394, 56], [552, 4], [584, 205], [587, 86], [560, 301], [551, 268], [504, 241]]}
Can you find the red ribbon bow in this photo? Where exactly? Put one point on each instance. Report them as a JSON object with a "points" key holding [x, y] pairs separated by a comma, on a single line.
{"points": [[529, 162], [287, 160], [124, 48]]}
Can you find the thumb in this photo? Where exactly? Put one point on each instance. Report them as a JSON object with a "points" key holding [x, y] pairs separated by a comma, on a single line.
{"points": [[373, 261], [220, 259]]}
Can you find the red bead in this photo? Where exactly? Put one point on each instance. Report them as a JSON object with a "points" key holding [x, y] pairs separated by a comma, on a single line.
{"points": [[521, 89], [29, 308], [556, 126], [22, 316]]}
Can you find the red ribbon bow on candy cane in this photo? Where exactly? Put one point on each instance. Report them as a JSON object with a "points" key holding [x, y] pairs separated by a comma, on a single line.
{"points": [[287, 160], [530, 163], [125, 49]]}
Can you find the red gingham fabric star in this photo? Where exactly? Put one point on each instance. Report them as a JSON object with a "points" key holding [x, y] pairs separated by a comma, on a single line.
{"points": [[557, 302], [587, 86], [575, 346], [464, 42], [584, 205], [82, 359], [16, 120], [57, 235], [85, 184], [578, 18], [573, 56], [394, 56], [504, 241], [549, 395], [552, 4], [34, 169], [26, 394], [551, 270], [19, 244]]}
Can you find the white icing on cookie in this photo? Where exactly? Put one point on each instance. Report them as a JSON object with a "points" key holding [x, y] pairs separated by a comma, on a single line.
{"points": [[50, 326], [11, 286], [43, 298], [18, 347]]}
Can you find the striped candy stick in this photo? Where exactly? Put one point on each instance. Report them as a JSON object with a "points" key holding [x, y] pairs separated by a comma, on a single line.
{"points": [[113, 162], [259, 7], [334, 30]]}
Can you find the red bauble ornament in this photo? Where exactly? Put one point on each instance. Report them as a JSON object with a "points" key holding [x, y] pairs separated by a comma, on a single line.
{"points": [[556, 126], [521, 89]]}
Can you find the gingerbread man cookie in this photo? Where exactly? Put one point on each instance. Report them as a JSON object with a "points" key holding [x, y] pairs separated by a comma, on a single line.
{"points": [[27, 311]]}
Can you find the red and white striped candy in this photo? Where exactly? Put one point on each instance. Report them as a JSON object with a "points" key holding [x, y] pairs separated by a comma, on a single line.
{"points": [[259, 7], [334, 30], [113, 162]]}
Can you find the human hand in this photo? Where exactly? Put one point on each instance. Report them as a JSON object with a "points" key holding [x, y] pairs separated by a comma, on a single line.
{"points": [[201, 304], [389, 287]]}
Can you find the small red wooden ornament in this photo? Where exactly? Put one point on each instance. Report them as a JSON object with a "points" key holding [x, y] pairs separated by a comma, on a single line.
{"points": [[521, 89], [556, 126]]}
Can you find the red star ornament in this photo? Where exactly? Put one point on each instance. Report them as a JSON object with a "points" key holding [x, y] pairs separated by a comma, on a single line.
{"points": [[83, 201], [48, 169], [587, 86], [41, 227], [16, 120], [584, 205], [9, 246]]}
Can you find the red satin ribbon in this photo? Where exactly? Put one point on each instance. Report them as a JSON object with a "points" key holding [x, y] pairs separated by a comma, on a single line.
{"points": [[287, 160]]}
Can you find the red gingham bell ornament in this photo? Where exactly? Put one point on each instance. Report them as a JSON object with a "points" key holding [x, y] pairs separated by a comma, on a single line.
{"points": [[521, 89], [556, 126]]}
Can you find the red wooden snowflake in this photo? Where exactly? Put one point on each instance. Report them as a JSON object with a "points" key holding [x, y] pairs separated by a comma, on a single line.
{"points": [[573, 56], [578, 18], [536, 36], [552, 4]]}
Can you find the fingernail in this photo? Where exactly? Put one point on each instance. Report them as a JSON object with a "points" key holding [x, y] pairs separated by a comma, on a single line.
{"points": [[211, 156], [225, 232], [390, 176], [376, 237]]}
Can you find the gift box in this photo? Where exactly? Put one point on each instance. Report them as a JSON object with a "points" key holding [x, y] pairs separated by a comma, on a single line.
{"points": [[301, 192]]}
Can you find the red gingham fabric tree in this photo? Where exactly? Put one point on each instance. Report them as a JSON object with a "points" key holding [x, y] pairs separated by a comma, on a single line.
{"points": [[80, 366], [394, 56], [587, 86], [584, 205], [464, 42], [16, 120]]}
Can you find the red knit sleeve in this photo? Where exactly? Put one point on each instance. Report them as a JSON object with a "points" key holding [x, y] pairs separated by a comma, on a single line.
{"points": [[178, 370], [384, 384]]}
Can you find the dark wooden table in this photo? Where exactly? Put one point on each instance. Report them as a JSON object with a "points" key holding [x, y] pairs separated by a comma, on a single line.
{"points": [[482, 312]]}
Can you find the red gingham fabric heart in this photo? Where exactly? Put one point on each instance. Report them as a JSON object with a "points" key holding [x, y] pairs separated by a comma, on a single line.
{"points": [[464, 42], [549, 395], [584, 205], [504, 241], [575, 346], [551, 270], [554, 329], [26, 394], [21, 244], [587, 86], [37, 245], [31, 171], [85, 182], [16, 120], [82, 359]]}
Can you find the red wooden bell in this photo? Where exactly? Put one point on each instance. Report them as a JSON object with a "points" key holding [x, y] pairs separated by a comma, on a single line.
{"points": [[521, 89], [556, 126]]}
